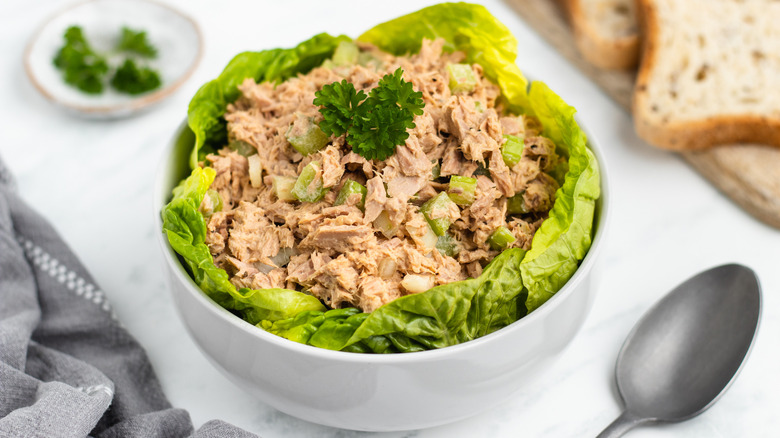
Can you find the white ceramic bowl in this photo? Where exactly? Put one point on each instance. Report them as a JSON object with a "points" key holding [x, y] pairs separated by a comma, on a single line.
{"points": [[378, 392]]}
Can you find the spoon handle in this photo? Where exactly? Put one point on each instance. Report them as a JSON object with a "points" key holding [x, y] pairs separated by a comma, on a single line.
{"points": [[622, 424]]}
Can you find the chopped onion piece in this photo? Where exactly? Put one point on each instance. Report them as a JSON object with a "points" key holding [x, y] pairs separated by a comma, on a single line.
{"points": [[417, 283], [387, 267], [385, 225], [430, 239], [255, 171]]}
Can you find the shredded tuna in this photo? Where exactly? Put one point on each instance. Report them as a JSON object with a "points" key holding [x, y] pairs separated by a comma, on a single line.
{"points": [[332, 170], [336, 252], [375, 198]]}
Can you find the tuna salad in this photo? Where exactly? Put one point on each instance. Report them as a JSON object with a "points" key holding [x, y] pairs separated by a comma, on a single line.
{"points": [[301, 210], [407, 190]]}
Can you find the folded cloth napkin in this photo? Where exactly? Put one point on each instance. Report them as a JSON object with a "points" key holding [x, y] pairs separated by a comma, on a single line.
{"points": [[67, 367]]}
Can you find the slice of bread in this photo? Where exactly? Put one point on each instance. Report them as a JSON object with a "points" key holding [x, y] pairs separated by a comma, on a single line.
{"points": [[605, 31], [710, 73]]}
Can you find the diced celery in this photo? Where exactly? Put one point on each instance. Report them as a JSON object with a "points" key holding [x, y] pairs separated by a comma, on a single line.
{"points": [[512, 150], [462, 189], [385, 225], [501, 238], [349, 188], [283, 186], [435, 211], [367, 59], [516, 205], [346, 53], [435, 170], [478, 106], [212, 203], [308, 186], [242, 147], [462, 78], [447, 245], [306, 136]]}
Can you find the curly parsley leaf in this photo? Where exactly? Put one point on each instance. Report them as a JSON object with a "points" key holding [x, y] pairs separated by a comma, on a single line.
{"points": [[375, 124], [393, 89], [80, 65], [135, 41], [339, 102], [131, 79]]}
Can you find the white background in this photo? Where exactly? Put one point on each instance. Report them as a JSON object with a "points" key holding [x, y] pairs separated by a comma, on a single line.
{"points": [[93, 180]]}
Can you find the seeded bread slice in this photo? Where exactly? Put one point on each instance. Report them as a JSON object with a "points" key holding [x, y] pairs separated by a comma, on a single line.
{"points": [[710, 73], [605, 31]]}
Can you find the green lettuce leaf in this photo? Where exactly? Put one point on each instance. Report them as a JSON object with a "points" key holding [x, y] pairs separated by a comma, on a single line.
{"points": [[447, 314], [565, 236], [466, 27], [209, 104], [185, 227]]}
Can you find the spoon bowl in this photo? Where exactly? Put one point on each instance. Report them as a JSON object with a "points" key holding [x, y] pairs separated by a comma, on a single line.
{"points": [[688, 348]]}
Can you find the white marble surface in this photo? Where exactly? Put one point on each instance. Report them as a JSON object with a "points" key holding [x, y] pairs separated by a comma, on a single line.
{"points": [[93, 180]]}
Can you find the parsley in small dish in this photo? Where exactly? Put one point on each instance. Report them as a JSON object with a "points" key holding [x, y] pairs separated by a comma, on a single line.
{"points": [[81, 66]]}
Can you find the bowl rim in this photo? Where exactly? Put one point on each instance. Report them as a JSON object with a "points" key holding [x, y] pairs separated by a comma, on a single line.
{"points": [[602, 219], [119, 109]]}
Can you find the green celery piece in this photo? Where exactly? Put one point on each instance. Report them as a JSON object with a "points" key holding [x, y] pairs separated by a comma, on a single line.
{"points": [[367, 59], [306, 189], [312, 139], [512, 150], [516, 204], [435, 170], [283, 186], [462, 189], [349, 188], [501, 238], [242, 148], [346, 53], [447, 245], [462, 79], [438, 203], [214, 200]]}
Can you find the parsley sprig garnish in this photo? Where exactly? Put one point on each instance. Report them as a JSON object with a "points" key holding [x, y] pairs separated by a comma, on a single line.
{"points": [[374, 124], [81, 66], [131, 79], [86, 69], [135, 41]]}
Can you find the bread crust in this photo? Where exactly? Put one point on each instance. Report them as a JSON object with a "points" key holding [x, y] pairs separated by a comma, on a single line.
{"points": [[606, 53], [695, 134]]}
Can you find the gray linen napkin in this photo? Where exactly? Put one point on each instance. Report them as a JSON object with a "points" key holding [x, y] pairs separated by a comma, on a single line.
{"points": [[67, 367]]}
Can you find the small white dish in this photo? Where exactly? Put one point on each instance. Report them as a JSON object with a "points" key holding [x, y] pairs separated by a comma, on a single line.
{"points": [[176, 36]]}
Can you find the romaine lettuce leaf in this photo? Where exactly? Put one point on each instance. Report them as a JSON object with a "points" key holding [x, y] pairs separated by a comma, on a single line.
{"points": [[565, 236], [186, 230], [207, 107], [447, 314], [466, 27]]}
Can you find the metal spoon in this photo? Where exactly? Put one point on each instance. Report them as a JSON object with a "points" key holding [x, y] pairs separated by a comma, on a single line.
{"points": [[686, 350]]}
